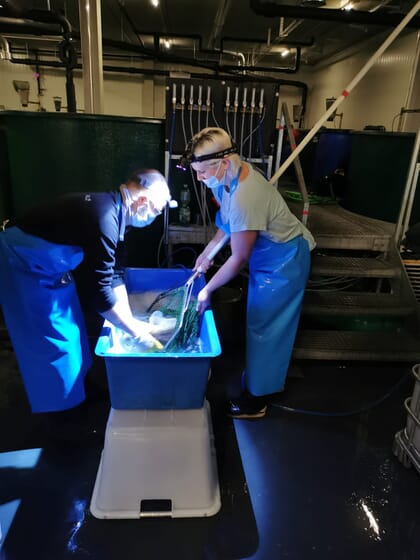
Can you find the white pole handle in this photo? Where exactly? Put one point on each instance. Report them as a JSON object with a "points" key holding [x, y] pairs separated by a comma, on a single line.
{"points": [[210, 257], [217, 247]]}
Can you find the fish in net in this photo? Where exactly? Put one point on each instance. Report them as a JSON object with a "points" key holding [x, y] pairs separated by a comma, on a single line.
{"points": [[177, 303]]}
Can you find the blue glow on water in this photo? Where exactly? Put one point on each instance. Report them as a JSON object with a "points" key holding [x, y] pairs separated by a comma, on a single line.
{"points": [[22, 459], [78, 514]]}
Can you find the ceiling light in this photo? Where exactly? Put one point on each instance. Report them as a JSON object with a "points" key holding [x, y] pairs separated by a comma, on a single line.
{"points": [[155, 3]]}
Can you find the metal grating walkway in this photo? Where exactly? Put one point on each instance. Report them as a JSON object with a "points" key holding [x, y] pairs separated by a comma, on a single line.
{"points": [[353, 267], [335, 227], [351, 345], [349, 303], [412, 267]]}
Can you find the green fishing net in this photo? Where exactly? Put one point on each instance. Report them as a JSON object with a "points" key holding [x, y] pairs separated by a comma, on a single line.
{"points": [[178, 303]]}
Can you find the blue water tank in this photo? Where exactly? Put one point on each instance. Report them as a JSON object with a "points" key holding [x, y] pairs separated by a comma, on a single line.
{"points": [[332, 153]]}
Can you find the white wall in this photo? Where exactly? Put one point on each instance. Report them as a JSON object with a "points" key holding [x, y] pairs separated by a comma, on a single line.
{"points": [[131, 95], [378, 97]]}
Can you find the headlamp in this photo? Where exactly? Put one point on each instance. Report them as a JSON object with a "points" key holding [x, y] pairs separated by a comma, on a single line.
{"points": [[188, 157]]}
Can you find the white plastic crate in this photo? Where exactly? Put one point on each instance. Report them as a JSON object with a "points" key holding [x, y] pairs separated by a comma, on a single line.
{"points": [[157, 463], [413, 419], [407, 441]]}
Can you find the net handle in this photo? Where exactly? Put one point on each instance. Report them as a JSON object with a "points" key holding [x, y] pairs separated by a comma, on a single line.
{"points": [[221, 243]]}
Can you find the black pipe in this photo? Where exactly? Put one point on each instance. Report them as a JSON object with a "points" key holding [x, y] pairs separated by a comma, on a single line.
{"points": [[169, 73], [156, 72], [22, 25], [269, 68], [157, 54], [229, 67], [273, 9], [46, 16], [153, 53], [287, 42], [164, 57]]}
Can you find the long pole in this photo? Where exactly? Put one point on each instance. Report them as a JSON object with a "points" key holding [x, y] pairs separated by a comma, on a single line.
{"points": [[345, 93]]}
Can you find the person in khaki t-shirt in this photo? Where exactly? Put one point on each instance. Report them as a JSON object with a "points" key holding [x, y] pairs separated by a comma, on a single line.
{"points": [[276, 246]]}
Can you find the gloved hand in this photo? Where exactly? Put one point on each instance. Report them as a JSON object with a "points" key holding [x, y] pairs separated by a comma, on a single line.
{"points": [[143, 336]]}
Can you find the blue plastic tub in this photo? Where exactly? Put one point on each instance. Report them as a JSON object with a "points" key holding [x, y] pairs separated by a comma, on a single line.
{"points": [[159, 380]]}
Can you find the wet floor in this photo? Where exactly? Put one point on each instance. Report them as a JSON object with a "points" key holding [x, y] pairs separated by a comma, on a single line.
{"points": [[316, 478]]}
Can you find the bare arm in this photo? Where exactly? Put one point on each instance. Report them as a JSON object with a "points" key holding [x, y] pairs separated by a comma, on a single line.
{"points": [[242, 244], [202, 259], [121, 316]]}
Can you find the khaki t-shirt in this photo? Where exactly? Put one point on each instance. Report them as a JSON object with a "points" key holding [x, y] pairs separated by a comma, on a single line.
{"points": [[257, 205]]}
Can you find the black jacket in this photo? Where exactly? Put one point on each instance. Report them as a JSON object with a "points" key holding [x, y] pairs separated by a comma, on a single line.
{"points": [[92, 221]]}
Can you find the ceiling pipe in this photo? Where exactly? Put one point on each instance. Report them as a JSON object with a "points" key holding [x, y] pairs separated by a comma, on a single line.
{"points": [[5, 50], [23, 25], [157, 35], [166, 57], [225, 67], [162, 56], [238, 78], [286, 42], [273, 9], [269, 68], [158, 72], [49, 17], [222, 71], [156, 54], [235, 54]]}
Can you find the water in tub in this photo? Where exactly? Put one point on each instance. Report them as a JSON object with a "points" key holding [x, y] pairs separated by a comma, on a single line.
{"points": [[162, 326]]}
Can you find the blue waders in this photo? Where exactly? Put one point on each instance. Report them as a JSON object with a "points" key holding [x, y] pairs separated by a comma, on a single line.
{"points": [[44, 319]]}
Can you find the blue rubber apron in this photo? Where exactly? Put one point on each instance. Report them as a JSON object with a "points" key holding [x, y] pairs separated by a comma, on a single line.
{"points": [[44, 318], [278, 273]]}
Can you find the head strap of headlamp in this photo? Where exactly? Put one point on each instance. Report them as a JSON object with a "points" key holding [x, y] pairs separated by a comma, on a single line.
{"points": [[215, 155], [188, 157]]}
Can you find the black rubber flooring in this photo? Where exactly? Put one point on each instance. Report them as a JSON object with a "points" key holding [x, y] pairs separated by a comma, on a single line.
{"points": [[316, 478]]}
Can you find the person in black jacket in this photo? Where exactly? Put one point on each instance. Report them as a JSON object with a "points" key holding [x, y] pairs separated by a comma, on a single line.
{"points": [[40, 305]]}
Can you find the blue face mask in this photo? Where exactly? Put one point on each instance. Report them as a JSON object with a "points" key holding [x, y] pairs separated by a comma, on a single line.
{"points": [[143, 217], [213, 182]]}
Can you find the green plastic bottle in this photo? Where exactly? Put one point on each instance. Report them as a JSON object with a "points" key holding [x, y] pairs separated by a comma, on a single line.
{"points": [[184, 215]]}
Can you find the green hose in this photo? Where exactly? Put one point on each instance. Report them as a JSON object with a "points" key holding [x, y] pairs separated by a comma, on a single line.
{"points": [[312, 198]]}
